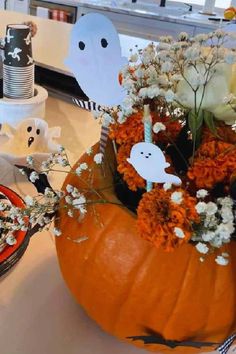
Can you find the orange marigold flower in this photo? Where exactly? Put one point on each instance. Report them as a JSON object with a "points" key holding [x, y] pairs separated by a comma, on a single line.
{"points": [[132, 130], [228, 161], [130, 176], [206, 173], [215, 162], [223, 132], [212, 149], [159, 218]]}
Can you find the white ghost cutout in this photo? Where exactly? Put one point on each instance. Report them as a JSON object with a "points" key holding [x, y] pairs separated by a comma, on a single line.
{"points": [[150, 163], [95, 59], [31, 136]]}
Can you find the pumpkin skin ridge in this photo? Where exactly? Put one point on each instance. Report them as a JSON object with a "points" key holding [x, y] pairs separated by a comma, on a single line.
{"points": [[60, 243], [184, 337], [93, 244], [87, 270], [127, 294], [213, 312], [204, 329], [92, 255], [196, 333], [154, 255], [178, 298]]}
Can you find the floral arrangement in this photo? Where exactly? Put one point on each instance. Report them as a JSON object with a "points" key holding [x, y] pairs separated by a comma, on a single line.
{"points": [[188, 89]]}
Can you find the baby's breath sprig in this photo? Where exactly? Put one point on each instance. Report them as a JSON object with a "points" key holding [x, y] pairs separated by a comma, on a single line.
{"points": [[40, 210]]}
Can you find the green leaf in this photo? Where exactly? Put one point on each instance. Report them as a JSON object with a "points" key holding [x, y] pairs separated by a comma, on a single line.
{"points": [[199, 119], [195, 122], [192, 122], [195, 125], [210, 122]]}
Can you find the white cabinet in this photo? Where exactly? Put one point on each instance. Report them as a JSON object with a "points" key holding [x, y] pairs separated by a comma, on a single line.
{"points": [[144, 27], [18, 6]]}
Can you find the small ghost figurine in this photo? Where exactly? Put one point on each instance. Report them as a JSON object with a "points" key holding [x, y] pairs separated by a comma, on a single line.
{"points": [[150, 163], [95, 59], [31, 136]]}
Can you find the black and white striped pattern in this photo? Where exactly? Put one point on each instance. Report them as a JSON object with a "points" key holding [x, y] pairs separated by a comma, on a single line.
{"points": [[88, 105], [92, 106], [18, 82], [103, 139], [223, 348]]}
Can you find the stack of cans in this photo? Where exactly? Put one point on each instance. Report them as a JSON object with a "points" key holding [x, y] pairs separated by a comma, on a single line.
{"points": [[18, 64]]}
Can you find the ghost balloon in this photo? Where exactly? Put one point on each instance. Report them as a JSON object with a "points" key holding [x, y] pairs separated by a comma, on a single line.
{"points": [[150, 163], [95, 59]]}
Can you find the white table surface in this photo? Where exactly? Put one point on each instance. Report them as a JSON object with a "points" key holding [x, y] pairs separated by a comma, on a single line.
{"points": [[38, 315]]}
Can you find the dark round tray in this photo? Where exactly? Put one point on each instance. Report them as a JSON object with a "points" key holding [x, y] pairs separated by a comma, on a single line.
{"points": [[14, 257], [12, 254]]}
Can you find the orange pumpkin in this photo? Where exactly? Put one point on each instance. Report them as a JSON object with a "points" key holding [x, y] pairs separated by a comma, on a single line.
{"points": [[131, 289]]}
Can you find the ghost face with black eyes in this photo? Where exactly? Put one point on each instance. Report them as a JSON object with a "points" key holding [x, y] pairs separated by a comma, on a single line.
{"points": [[150, 163], [31, 132], [95, 59], [32, 136], [28, 136]]}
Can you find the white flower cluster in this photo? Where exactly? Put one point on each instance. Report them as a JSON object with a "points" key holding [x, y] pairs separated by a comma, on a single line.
{"points": [[217, 224], [230, 100], [21, 219], [41, 208], [105, 115], [177, 197], [82, 167], [176, 74], [57, 158], [98, 158], [75, 201]]}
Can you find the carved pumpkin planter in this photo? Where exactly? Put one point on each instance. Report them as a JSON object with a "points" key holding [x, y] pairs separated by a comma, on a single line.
{"points": [[138, 293]]}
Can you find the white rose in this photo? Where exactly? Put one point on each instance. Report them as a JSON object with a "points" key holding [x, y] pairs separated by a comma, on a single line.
{"points": [[220, 85]]}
